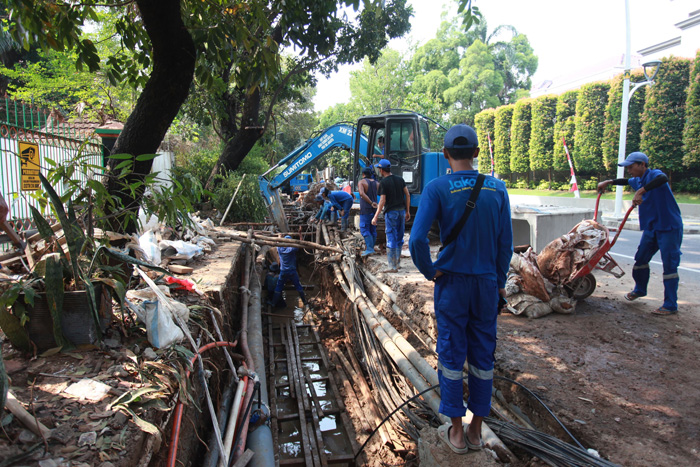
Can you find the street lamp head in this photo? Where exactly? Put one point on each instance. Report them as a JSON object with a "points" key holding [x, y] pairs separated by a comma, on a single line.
{"points": [[651, 68]]}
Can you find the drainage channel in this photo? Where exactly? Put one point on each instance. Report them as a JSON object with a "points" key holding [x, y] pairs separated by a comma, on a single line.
{"points": [[309, 423]]}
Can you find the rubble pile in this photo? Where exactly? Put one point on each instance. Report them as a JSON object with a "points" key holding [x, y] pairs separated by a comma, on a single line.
{"points": [[536, 283]]}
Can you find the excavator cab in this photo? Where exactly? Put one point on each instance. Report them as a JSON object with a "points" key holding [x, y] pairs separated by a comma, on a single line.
{"points": [[406, 138]]}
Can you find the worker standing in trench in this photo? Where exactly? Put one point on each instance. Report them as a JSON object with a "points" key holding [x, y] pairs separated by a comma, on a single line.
{"points": [[288, 273], [469, 274], [368, 204], [662, 226]]}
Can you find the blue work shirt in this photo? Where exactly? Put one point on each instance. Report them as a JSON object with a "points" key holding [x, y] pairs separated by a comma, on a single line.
{"points": [[485, 244], [338, 198], [659, 209], [288, 258]]}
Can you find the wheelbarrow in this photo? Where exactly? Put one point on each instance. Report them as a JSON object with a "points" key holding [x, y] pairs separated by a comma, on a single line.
{"points": [[581, 283]]}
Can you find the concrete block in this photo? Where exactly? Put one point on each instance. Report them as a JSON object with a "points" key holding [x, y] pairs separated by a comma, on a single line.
{"points": [[537, 225]]}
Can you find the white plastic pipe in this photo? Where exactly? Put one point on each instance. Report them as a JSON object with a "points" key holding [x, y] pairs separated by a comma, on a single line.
{"points": [[233, 416]]}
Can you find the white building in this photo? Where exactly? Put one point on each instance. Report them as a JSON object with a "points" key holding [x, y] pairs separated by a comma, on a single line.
{"points": [[676, 32]]}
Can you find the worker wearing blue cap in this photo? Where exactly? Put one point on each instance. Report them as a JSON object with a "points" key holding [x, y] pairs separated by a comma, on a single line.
{"points": [[662, 226], [288, 272], [325, 213], [469, 274], [396, 203], [341, 201]]}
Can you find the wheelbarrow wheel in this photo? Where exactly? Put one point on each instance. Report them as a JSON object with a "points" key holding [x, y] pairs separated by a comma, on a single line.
{"points": [[584, 287]]}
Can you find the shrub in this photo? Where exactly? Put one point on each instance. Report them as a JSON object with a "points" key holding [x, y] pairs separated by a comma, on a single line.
{"points": [[590, 184], [544, 110], [664, 115], [501, 131], [520, 137], [590, 121], [691, 130], [564, 127], [689, 185], [557, 185], [484, 125], [613, 112], [543, 185], [522, 183]]}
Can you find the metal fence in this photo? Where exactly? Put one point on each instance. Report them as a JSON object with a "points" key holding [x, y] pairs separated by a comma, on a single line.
{"points": [[58, 143]]}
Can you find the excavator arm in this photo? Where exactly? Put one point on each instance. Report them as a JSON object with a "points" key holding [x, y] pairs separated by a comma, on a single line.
{"points": [[338, 136]]}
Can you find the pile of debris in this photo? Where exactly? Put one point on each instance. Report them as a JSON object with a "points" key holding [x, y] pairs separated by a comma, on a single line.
{"points": [[536, 284]]}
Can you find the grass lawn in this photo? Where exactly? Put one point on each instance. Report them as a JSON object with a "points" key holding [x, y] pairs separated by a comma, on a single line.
{"points": [[685, 198]]}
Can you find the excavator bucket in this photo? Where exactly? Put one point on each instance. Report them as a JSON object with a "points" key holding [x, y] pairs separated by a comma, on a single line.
{"points": [[274, 204]]}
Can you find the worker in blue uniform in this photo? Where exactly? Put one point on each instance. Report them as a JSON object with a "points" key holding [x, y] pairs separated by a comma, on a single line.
{"points": [[341, 202], [368, 204], [396, 203], [325, 213], [469, 275], [662, 226], [288, 273]]}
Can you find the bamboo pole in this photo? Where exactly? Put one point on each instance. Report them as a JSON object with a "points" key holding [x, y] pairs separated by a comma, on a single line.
{"points": [[283, 242], [232, 198]]}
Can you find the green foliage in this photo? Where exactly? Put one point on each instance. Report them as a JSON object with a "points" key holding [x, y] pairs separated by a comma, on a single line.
{"points": [[590, 123], [544, 111], [543, 185], [474, 86], [501, 140], [689, 185], [691, 130], [379, 86], [589, 184], [520, 137], [564, 128], [484, 124], [613, 111], [664, 116]]}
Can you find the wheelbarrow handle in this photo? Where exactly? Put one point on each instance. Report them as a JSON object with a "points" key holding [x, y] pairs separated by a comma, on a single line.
{"points": [[622, 224], [597, 202]]}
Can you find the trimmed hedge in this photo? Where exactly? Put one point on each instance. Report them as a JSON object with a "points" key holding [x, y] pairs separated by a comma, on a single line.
{"points": [[613, 113], [484, 123], [501, 132], [590, 123], [520, 137], [691, 130], [664, 116], [564, 127], [544, 111]]}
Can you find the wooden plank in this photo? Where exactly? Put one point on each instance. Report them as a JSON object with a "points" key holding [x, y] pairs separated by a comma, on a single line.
{"points": [[312, 390], [273, 394], [300, 367], [350, 394], [288, 360], [305, 439]]}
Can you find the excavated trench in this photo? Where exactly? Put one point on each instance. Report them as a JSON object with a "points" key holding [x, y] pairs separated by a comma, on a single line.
{"points": [[314, 362]]}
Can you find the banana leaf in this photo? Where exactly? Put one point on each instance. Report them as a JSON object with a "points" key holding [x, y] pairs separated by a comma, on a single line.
{"points": [[54, 296]]}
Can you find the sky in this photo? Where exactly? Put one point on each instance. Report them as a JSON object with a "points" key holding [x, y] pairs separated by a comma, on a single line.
{"points": [[566, 35]]}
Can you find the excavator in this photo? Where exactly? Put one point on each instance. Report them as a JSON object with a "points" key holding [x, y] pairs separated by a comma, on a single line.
{"points": [[407, 146]]}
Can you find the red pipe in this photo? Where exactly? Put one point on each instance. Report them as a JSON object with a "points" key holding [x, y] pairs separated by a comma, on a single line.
{"points": [[175, 437]]}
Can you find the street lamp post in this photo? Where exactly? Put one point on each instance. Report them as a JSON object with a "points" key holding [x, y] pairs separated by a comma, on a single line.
{"points": [[651, 68]]}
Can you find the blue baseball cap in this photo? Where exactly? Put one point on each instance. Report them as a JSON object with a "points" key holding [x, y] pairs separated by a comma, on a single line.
{"points": [[634, 157], [287, 236], [368, 170], [323, 191], [319, 198], [383, 164], [461, 137]]}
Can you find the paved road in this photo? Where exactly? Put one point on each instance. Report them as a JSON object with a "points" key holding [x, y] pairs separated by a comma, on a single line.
{"points": [[626, 247]]}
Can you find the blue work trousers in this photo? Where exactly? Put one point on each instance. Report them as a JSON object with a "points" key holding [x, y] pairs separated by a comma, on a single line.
{"points": [[289, 275], [346, 206], [669, 243], [366, 227], [395, 224], [466, 308]]}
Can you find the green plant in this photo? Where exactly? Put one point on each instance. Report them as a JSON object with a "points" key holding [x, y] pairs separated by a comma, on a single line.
{"points": [[590, 122], [543, 185], [520, 137], [522, 183], [86, 263], [502, 125], [691, 130], [589, 184], [664, 116], [564, 127]]}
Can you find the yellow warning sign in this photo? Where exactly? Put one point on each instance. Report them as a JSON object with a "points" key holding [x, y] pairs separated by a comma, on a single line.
{"points": [[30, 165]]}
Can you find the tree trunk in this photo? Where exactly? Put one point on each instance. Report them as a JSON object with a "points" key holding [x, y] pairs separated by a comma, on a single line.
{"points": [[240, 140], [173, 68]]}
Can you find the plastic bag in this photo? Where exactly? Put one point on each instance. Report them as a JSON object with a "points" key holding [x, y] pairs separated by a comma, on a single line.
{"points": [[160, 326], [148, 244], [185, 250]]}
